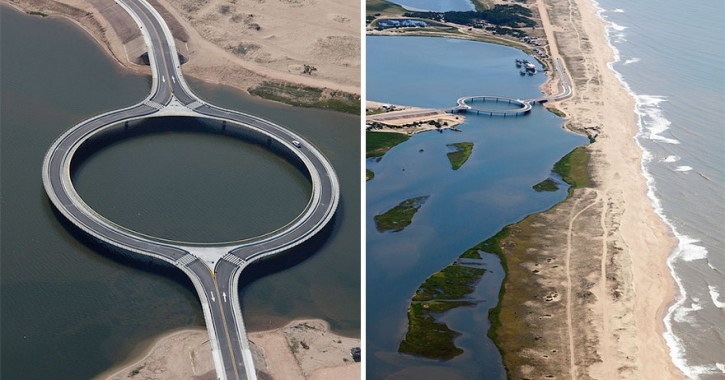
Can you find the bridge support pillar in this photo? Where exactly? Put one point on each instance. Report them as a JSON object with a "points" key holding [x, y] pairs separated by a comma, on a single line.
{"points": [[125, 126]]}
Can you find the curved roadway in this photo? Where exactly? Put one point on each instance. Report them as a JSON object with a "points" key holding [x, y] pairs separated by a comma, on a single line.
{"points": [[524, 106], [215, 268]]}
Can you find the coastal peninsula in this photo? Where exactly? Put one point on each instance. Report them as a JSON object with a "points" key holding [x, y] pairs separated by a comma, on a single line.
{"points": [[253, 46], [587, 282]]}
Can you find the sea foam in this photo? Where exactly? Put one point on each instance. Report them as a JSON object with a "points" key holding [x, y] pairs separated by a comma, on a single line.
{"points": [[651, 118], [651, 123], [671, 159], [715, 295]]}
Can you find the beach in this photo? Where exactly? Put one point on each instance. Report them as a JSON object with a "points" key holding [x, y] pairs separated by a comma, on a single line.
{"points": [[303, 349], [600, 257]]}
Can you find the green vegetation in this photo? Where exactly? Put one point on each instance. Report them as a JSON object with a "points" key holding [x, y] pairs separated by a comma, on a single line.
{"points": [[136, 371], [510, 330], [556, 112], [400, 216], [546, 185], [380, 7], [451, 283], [243, 48], [379, 143], [369, 174], [503, 19], [305, 96], [493, 245], [459, 156], [36, 13], [439, 293], [428, 338], [574, 168]]}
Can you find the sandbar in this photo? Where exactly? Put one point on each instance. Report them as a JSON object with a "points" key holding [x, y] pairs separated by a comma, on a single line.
{"points": [[304, 349]]}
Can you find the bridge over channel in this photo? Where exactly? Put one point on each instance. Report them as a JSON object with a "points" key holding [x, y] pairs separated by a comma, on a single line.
{"points": [[214, 269]]}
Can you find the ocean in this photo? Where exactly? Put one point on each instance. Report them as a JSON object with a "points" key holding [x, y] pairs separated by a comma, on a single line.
{"points": [[670, 57]]}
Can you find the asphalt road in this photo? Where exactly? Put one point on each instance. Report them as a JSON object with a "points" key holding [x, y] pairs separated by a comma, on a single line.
{"points": [[215, 268]]}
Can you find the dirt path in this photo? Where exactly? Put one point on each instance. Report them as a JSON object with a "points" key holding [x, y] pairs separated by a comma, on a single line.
{"points": [[604, 309], [569, 235]]}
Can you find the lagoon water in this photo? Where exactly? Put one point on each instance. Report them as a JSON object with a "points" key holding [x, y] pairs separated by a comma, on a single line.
{"points": [[671, 58], [492, 189], [71, 310]]}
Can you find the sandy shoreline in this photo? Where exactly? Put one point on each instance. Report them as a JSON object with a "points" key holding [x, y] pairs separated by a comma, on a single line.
{"points": [[303, 349], [597, 260], [407, 120]]}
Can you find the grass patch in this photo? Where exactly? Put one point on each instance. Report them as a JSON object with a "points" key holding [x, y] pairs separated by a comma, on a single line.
{"points": [[379, 143], [36, 13], [574, 168], [426, 337], [383, 7], [510, 330], [460, 155], [136, 371], [369, 174], [306, 96], [400, 216], [451, 283], [556, 112], [546, 185], [439, 293]]}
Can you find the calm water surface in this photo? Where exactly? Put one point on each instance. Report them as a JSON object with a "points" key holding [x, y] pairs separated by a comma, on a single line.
{"points": [[466, 206], [71, 310]]}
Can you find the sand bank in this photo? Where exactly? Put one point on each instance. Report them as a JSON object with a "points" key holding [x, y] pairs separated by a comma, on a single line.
{"points": [[241, 43], [596, 263], [303, 349], [408, 120]]}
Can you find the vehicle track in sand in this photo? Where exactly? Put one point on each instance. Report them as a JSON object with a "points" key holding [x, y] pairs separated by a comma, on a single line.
{"points": [[569, 235]]}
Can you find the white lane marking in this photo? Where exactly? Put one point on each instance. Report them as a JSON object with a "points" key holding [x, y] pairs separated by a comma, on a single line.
{"points": [[225, 296], [163, 79], [173, 80], [212, 297]]}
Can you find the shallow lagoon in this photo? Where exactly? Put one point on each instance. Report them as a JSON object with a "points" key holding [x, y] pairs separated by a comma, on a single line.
{"points": [[492, 189]]}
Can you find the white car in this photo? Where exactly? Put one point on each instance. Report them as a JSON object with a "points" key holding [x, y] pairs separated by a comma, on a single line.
{"points": [[296, 143]]}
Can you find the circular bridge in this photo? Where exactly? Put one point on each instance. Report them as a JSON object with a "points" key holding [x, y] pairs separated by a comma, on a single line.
{"points": [[215, 268], [318, 211], [464, 105]]}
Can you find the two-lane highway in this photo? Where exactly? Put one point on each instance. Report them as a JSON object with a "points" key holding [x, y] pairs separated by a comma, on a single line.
{"points": [[213, 268]]}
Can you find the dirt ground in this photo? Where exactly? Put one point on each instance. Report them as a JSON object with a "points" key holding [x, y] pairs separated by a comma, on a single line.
{"points": [[241, 43], [302, 350]]}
